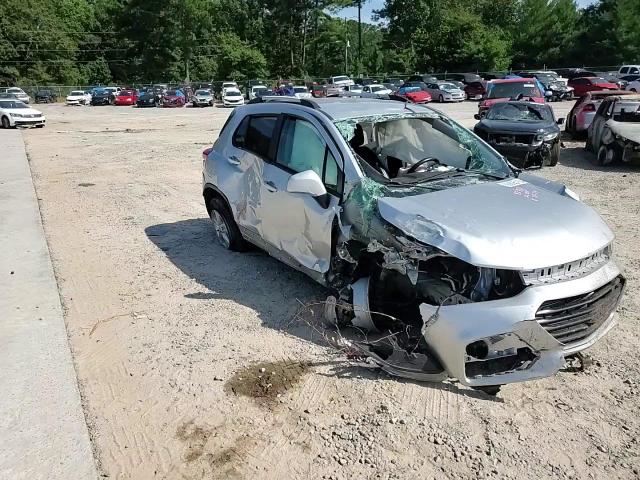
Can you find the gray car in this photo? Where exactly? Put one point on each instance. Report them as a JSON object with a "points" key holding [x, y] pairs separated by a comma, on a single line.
{"points": [[445, 92], [450, 262], [202, 98]]}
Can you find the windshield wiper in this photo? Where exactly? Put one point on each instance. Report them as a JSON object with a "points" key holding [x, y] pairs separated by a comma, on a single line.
{"points": [[488, 174]]}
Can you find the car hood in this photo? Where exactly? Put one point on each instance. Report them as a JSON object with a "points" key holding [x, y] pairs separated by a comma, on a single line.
{"points": [[515, 126], [628, 130], [23, 111], [509, 224]]}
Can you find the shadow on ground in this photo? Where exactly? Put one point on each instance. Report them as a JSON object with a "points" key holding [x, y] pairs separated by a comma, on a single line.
{"points": [[273, 290], [577, 157]]}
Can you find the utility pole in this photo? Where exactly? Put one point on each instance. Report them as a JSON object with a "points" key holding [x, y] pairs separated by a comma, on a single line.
{"points": [[360, 37], [346, 48]]}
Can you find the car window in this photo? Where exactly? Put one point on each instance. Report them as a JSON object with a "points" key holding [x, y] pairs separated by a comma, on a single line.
{"points": [[301, 148], [624, 70], [634, 70], [254, 134]]}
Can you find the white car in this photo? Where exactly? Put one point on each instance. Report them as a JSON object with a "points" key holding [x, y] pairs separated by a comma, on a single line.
{"points": [[14, 113], [633, 86], [375, 90], [19, 94], [232, 97], [228, 85], [340, 81], [629, 70], [78, 97], [445, 92], [302, 92], [253, 93]]}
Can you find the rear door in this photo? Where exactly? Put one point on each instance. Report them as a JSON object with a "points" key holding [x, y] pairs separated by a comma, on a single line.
{"points": [[296, 225]]}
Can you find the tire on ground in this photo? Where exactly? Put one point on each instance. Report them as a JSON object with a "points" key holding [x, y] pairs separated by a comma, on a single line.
{"points": [[236, 242]]}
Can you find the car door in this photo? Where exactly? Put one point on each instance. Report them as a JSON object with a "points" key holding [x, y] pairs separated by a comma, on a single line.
{"points": [[598, 125], [298, 226], [237, 169]]}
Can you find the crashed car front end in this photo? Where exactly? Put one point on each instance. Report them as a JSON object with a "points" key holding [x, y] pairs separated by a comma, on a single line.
{"points": [[625, 136], [524, 150], [471, 277]]}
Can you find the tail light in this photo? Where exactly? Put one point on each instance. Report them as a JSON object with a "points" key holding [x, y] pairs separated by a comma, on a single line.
{"points": [[590, 107], [205, 153]]}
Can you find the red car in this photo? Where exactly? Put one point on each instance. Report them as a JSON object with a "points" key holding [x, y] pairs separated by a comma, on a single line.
{"points": [[582, 85], [127, 97], [475, 90], [318, 91], [173, 98], [508, 89], [414, 94]]}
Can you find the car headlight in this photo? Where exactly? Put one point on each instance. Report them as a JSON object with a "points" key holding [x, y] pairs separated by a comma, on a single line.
{"points": [[549, 137], [17, 115]]}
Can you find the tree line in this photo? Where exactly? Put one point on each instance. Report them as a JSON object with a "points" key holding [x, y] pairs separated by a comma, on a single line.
{"points": [[76, 42]]}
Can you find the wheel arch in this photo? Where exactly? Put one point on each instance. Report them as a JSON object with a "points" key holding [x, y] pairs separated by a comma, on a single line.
{"points": [[210, 192]]}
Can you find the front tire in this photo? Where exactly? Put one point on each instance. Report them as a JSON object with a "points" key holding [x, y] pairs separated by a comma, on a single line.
{"points": [[5, 122], [555, 155], [607, 155], [226, 230], [441, 99]]}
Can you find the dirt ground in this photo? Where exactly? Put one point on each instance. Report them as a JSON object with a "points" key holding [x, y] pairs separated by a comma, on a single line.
{"points": [[191, 367]]}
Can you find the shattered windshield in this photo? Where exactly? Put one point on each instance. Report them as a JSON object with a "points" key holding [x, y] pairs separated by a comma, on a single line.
{"points": [[417, 148], [627, 111], [519, 112]]}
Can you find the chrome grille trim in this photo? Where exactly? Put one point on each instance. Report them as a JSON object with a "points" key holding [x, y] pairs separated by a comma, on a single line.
{"points": [[567, 271]]}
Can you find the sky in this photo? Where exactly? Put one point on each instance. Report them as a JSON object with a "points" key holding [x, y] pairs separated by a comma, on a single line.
{"points": [[370, 5]]}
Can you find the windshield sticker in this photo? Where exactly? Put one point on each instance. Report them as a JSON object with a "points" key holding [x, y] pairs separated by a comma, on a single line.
{"points": [[513, 182]]}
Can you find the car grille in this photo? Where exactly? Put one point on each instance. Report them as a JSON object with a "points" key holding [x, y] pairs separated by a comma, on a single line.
{"points": [[510, 139], [571, 320], [567, 271]]}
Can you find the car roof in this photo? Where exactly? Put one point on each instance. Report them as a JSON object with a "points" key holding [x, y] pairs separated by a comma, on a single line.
{"points": [[512, 80], [633, 97], [340, 108]]}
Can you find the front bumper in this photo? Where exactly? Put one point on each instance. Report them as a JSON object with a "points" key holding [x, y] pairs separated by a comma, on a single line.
{"points": [[523, 155], [228, 103], [28, 122], [519, 347]]}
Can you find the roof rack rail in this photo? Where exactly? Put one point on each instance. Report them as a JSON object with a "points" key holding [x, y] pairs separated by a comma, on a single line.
{"points": [[285, 99]]}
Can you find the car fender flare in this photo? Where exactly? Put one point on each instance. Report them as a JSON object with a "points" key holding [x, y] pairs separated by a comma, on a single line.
{"points": [[210, 190]]}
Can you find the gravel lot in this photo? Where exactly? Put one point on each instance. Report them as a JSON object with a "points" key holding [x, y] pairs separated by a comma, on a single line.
{"points": [[165, 327]]}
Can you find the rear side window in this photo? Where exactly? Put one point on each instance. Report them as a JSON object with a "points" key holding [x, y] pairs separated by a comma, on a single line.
{"points": [[254, 134], [624, 70], [634, 70]]}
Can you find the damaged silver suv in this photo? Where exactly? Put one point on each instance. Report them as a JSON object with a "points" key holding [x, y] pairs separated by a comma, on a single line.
{"points": [[452, 262]]}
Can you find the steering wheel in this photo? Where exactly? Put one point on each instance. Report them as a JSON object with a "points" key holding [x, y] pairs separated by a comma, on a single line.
{"points": [[419, 163]]}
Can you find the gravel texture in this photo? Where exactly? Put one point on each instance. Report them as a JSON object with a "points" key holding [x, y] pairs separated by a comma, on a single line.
{"points": [[161, 319]]}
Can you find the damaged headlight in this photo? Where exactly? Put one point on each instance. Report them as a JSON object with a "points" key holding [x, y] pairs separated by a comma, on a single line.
{"points": [[544, 137]]}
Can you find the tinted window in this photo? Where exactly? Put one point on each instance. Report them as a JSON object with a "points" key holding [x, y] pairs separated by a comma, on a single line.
{"points": [[634, 70], [624, 70], [301, 148], [258, 135]]}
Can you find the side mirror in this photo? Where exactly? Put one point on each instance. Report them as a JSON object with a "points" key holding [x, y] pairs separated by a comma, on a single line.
{"points": [[560, 121], [477, 116], [306, 182], [548, 93]]}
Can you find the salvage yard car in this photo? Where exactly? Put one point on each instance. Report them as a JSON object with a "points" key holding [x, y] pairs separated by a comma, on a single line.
{"points": [[583, 111], [232, 97], [148, 98], [45, 96], [102, 96], [510, 89], [414, 94], [19, 94], [446, 92], [173, 99], [14, 113], [582, 85], [526, 133], [614, 133], [449, 261], [78, 97], [202, 98], [127, 97]]}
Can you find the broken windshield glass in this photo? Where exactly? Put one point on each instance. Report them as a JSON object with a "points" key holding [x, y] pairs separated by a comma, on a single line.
{"points": [[409, 148]]}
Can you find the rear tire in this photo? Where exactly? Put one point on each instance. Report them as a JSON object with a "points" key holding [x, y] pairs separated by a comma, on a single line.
{"points": [[608, 155], [225, 227], [6, 123], [441, 99]]}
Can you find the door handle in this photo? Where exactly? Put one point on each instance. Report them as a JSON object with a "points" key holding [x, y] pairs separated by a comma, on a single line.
{"points": [[269, 185], [233, 160]]}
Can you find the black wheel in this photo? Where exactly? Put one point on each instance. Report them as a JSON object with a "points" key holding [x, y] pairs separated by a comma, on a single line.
{"points": [[225, 228], [607, 155], [554, 156], [441, 99], [5, 122]]}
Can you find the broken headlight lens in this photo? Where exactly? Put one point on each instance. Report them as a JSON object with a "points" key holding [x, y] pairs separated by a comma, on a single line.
{"points": [[549, 137]]}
